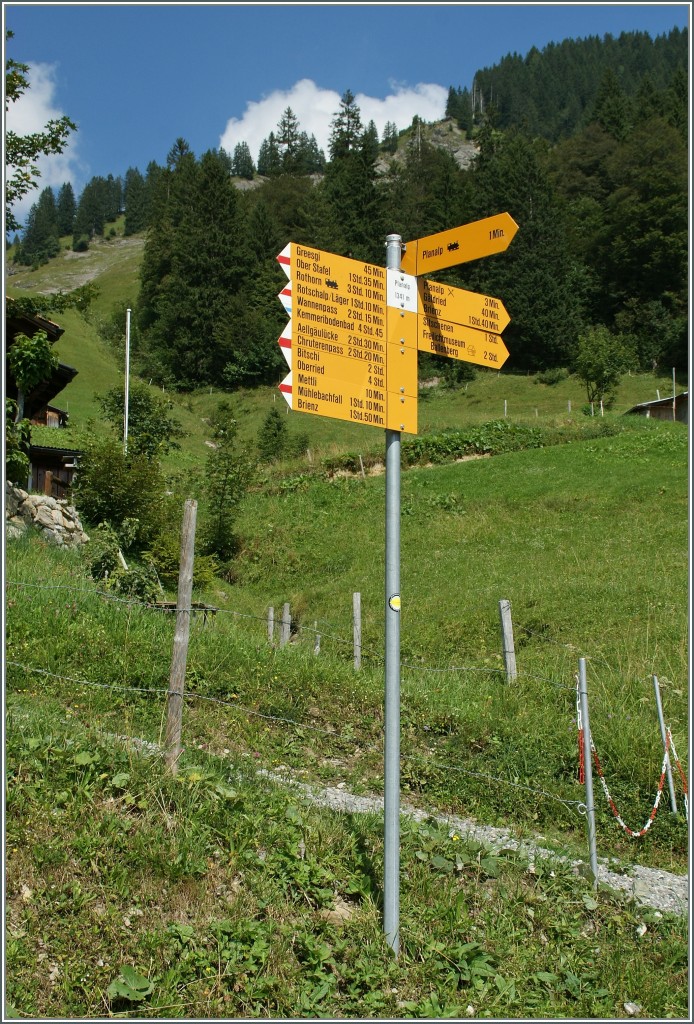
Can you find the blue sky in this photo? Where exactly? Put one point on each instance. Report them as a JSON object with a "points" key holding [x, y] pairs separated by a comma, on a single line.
{"points": [[135, 77]]}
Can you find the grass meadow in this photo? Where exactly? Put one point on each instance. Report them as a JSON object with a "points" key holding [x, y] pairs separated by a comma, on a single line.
{"points": [[135, 892]]}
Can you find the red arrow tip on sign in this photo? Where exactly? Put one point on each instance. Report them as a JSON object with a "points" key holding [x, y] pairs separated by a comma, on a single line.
{"points": [[284, 259]]}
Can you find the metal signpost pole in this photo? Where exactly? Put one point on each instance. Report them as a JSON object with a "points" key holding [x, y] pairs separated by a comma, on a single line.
{"points": [[127, 381], [391, 802], [587, 760]]}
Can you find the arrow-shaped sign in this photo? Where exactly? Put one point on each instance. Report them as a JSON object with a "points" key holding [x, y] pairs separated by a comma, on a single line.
{"points": [[458, 306], [459, 245], [457, 342]]}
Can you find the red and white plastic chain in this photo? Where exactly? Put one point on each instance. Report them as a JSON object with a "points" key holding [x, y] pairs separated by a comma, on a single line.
{"points": [[682, 775], [613, 807]]}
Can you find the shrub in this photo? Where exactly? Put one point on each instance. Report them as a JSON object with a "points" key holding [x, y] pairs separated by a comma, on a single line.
{"points": [[164, 554], [272, 436], [17, 438], [297, 445], [229, 473], [554, 375], [125, 491]]}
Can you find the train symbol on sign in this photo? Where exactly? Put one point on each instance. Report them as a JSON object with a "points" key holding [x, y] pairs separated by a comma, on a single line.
{"points": [[453, 246], [331, 284]]}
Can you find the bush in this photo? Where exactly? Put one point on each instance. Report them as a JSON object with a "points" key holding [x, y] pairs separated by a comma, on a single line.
{"points": [[554, 375], [103, 561], [229, 471], [272, 436], [164, 555], [17, 438], [297, 445], [127, 492]]}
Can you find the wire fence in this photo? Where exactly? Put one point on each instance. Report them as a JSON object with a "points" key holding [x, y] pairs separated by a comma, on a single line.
{"points": [[374, 659]]}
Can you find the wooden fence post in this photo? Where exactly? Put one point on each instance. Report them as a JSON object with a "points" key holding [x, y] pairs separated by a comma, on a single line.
{"points": [[285, 631], [271, 624], [174, 710], [356, 616], [507, 640], [316, 645]]}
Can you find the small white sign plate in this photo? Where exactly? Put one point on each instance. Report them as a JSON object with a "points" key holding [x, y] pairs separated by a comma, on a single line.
{"points": [[401, 291]]}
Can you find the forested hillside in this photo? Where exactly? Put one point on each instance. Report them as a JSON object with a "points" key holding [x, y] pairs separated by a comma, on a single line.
{"points": [[584, 144]]}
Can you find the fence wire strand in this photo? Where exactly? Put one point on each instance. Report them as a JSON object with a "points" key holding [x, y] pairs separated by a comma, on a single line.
{"points": [[299, 725]]}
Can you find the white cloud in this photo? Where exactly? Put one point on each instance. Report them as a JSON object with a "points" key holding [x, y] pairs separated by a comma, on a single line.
{"points": [[315, 108], [29, 114]]}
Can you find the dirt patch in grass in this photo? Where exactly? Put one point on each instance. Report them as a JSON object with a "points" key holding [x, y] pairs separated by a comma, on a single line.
{"points": [[73, 269]]}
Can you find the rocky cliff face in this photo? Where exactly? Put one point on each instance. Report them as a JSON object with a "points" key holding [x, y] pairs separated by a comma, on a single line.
{"points": [[57, 522], [443, 134]]}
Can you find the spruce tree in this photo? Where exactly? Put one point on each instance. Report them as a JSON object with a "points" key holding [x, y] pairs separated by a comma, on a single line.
{"points": [[288, 140], [135, 200], [40, 242], [390, 137], [538, 279], [242, 163], [65, 210], [269, 159]]}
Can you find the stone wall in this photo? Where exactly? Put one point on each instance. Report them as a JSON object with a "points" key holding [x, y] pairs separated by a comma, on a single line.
{"points": [[57, 522]]}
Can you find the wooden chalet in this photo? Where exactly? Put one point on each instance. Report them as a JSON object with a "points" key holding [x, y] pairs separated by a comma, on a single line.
{"points": [[52, 467]]}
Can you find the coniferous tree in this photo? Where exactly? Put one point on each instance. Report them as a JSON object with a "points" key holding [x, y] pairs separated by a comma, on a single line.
{"points": [[313, 156], [40, 242], [242, 163], [390, 137], [346, 129], [135, 200], [349, 209], [677, 102], [537, 276], [269, 159], [228, 474], [643, 248], [100, 202], [189, 277], [66, 207], [288, 137], [168, 188], [612, 110], [113, 198]]}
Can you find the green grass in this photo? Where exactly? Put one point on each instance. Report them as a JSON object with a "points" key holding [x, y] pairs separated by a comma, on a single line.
{"points": [[211, 894], [564, 532], [199, 883]]}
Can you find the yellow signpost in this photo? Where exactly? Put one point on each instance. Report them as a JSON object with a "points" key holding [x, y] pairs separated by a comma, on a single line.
{"points": [[459, 245], [351, 345], [355, 329]]}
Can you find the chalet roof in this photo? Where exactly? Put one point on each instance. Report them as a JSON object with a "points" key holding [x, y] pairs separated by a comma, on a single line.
{"points": [[659, 403], [17, 322], [55, 449]]}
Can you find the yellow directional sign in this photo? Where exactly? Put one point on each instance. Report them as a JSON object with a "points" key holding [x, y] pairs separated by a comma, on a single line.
{"points": [[459, 245], [464, 343], [313, 366], [443, 302], [335, 342], [339, 400]]}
